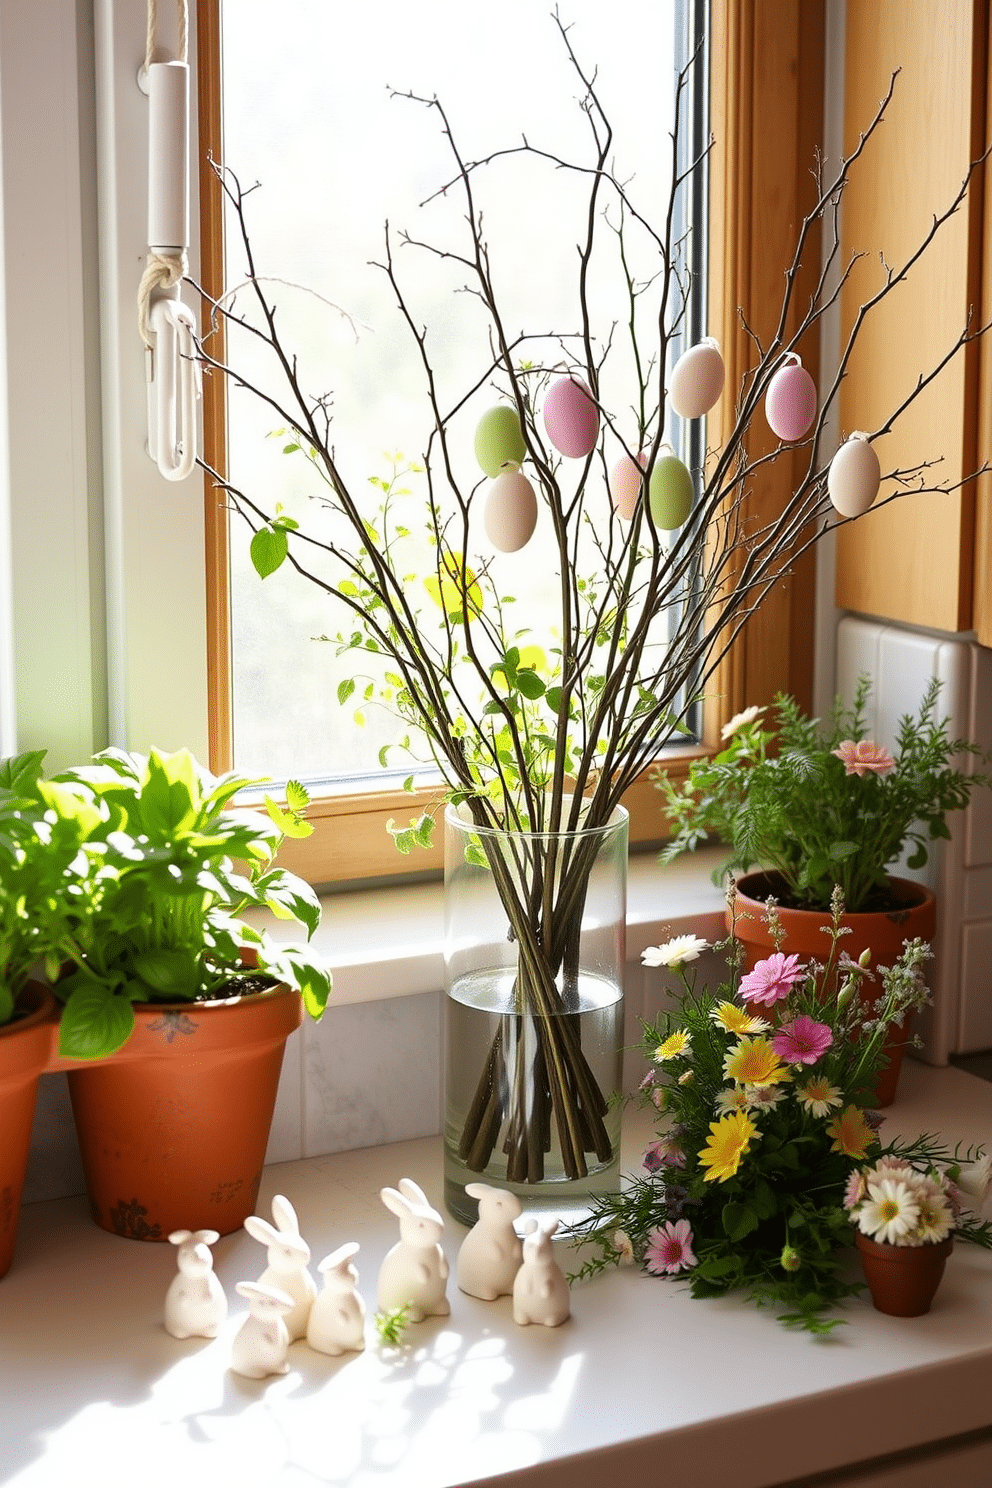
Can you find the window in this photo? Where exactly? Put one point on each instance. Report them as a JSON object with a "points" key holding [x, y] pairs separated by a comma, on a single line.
{"points": [[127, 655]]}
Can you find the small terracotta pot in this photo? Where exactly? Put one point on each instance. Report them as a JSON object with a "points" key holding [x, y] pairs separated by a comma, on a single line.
{"points": [[25, 1049], [882, 933], [903, 1279], [173, 1127]]}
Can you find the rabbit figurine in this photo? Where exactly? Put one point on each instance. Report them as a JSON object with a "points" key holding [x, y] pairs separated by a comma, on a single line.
{"points": [[337, 1318], [540, 1291], [288, 1254], [195, 1304], [491, 1252], [260, 1344], [415, 1271]]}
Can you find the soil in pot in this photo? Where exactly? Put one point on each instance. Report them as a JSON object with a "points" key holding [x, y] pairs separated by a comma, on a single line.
{"points": [[912, 914], [25, 1050], [173, 1127]]}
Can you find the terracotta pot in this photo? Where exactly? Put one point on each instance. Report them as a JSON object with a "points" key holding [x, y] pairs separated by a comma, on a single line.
{"points": [[173, 1127], [25, 1049], [903, 1279], [882, 933]]}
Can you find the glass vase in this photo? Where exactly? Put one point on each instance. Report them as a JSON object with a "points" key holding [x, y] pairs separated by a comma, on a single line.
{"points": [[534, 953]]}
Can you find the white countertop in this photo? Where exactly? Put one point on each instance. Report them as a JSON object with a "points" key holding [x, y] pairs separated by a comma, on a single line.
{"points": [[666, 1387]]}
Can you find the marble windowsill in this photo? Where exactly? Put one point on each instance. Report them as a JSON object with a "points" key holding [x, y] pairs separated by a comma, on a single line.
{"points": [[642, 1384]]}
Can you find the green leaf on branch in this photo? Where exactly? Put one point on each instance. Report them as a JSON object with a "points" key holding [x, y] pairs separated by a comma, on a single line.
{"points": [[345, 689], [269, 548], [738, 1220]]}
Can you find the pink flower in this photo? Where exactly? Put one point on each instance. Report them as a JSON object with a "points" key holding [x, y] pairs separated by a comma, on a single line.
{"points": [[864, 757], [771, 980], [669, 1249], [855, 1188], [802, 1041], [664, 1154]]}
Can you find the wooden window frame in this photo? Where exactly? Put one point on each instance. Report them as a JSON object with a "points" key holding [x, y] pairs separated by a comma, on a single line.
{"points": [[766, 84]]}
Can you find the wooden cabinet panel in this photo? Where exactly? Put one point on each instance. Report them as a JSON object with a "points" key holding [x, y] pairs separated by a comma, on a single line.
{"points": [[913, 560]]}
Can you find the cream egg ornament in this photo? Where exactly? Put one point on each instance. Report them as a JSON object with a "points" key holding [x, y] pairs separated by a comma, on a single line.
{"points": [[510, 514], [670, 492], [499, 439], [626, 479], [854, 476], [790, 401], [697, 379], [571, 417]]}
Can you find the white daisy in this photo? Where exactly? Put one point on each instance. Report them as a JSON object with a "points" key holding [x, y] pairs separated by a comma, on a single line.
{"points": [[889, 1212], [734, 1099], [675, 952], [935, 1223], [739, 720], [765, 1097]]}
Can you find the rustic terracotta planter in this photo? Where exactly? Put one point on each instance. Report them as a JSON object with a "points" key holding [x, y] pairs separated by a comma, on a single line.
{"points": [[882, 933], [173, 1127], [25, 1049], [903, 1279]]}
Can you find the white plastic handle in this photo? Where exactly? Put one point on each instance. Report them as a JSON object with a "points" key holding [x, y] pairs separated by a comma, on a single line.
{"points": [[173, 389]]}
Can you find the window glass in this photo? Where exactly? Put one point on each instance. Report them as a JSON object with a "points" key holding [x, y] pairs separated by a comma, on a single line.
{"points": [[314, 112]]}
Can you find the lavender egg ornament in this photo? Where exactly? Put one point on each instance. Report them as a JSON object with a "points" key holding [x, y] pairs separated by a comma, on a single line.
{"points": [[499, 439], [510, 514], [790, 402], [571, 418], [670, 492], [854, 476], [697, 379], [625, 484]]}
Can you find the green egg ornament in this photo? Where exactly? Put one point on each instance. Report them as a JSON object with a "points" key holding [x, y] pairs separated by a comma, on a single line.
{"points": [[499, 439], [670, 493]]}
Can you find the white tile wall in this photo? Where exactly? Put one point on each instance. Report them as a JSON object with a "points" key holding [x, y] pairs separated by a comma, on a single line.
{"points": [[902, 662]]}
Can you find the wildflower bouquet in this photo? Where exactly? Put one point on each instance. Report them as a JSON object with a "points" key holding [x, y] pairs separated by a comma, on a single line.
{"points": [[823, 805], [764, 1094]]}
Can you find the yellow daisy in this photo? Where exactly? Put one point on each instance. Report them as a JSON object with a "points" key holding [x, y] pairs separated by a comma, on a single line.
{"points": [[753, 1061], [851, 1133], [729, 1139], [676, 1046], [737, 1020]]}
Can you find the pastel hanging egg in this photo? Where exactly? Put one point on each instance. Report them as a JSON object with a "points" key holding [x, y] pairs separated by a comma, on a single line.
{"points": [[670, 492], [790, 402], [571, 417], [499, 439], [854, 475], [510, 514], [625, 484], [697, 379]]}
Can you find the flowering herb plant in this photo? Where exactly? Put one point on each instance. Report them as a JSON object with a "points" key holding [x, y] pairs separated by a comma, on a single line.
{"points": [[764, 1092], [823, 806]]}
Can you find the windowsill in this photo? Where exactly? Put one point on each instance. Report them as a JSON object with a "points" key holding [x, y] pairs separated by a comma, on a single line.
{"points": [[641, 1376], [388, 942]]}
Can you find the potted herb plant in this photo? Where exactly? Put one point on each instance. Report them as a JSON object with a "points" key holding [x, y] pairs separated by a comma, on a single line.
{"points": [[35, 854], [176, 1008], [763, 1089], [806, 808], [538, 731]]}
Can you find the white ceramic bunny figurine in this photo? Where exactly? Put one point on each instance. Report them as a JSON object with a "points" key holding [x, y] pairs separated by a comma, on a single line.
{"points": [[288, 1255], [260, 1344], [337, 1318], [491, 1252], [195, 1304], [415, 1272], [540, 1291]]}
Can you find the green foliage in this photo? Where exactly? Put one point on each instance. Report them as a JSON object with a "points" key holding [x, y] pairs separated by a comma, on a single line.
{"points": [[769, 1219], [784, 801], [391, 1325], [121, 874]]}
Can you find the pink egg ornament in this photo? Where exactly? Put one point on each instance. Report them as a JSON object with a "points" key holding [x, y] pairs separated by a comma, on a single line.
{"points": [[854, 476], [625, 484], [697, 379], [510, 514], [571, 417], [790, 402]]}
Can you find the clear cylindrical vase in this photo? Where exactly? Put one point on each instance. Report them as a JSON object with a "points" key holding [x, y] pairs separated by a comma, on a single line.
{"points": [[534, 954]]}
